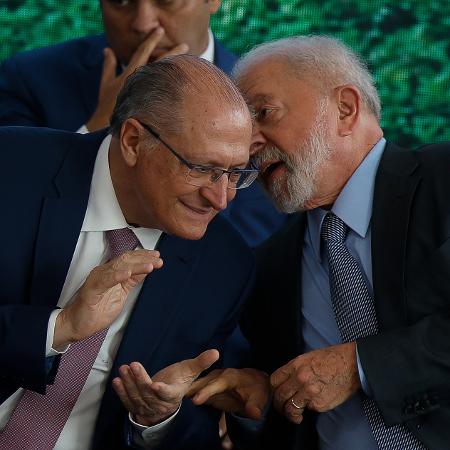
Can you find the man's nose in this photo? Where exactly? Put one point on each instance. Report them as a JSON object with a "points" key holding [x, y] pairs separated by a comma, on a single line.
{"points": [[218, 193], [145, 18]]}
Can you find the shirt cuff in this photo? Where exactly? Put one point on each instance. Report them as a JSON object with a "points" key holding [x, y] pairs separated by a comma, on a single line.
{"points": [[83, 130], [362, 377], [49, 350], [150, 437]]}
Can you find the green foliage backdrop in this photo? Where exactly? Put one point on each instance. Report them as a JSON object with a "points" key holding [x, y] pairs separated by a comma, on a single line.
{"points": [[405, 42]]}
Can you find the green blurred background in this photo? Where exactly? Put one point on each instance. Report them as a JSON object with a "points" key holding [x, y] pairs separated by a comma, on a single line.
{"points": [[405, 42]]}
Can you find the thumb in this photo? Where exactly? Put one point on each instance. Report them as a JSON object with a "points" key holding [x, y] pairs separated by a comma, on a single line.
{"points": [[192, 368], [255, 404], [280, 376], [109, 65]]}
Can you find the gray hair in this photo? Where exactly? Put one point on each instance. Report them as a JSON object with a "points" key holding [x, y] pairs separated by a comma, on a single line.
{"points": [[156, 93], [325, 61]]}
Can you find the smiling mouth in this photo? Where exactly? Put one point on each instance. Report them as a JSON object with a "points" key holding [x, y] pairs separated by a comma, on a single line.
{"points": [[201, 211]]}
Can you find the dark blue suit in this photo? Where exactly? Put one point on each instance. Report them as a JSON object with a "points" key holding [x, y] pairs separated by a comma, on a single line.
{"points": [[189, 305], [57, 87]]}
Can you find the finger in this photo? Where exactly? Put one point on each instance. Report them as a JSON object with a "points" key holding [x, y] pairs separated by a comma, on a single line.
{"points": [[192, 368], [281, 375], [166, 392], [180, 49], [104, 278], [142, 379], [122, 393], [294, 409], [130, 387], [215, 387], [284, 393], [200, 383], [138, 256], [256, 403], [109, 65], [145, 50]]}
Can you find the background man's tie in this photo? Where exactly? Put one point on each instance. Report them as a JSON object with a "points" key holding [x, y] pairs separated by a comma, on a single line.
{"points": [[355, 314], [39, 419]]}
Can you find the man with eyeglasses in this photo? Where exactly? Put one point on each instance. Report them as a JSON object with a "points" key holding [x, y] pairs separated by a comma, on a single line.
{"points": [[73, 85], [120, 284]]}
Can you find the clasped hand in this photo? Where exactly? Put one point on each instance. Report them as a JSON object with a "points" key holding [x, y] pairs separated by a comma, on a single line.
{"points": [[319, 380]]}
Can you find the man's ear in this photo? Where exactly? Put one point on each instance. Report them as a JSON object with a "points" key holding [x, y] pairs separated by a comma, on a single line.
{"points": [[348, 99], [129, 141], [213, 5]]}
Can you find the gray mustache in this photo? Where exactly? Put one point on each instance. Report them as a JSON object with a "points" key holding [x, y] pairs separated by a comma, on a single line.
{"points": [[271, 153]]}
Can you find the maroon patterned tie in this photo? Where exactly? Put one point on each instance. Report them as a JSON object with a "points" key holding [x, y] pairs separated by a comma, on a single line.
{"points": [[39, 419]]}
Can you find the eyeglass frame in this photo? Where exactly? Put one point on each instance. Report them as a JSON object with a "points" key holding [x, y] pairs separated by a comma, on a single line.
{"points": [[192, 166]]}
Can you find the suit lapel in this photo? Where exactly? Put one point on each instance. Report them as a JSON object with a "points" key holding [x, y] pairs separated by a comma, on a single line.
{"points": [[61, 219], [89, 83], [157, 304], [396, 182], [155, 311]]}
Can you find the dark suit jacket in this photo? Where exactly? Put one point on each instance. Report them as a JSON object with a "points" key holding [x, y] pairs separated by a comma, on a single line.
{"points": [[408, 363], [57, 87], [189, 305]]}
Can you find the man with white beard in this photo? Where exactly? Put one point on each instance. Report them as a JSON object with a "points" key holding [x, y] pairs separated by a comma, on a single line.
{"points": [[350, 313]]}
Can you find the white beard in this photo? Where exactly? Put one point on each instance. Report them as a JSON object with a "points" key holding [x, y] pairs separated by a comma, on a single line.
{"points": [[292, 192]]}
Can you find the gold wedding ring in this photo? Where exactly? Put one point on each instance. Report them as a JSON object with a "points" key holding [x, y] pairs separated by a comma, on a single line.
{"points": [[295, 405]]}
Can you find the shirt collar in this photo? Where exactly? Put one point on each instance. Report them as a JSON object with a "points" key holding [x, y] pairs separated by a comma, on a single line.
{"points": [[354, 203], [208, 54], [103, 211]]}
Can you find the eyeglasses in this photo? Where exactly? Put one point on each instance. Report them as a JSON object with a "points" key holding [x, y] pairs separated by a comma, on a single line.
{"points": [[200, 175]]}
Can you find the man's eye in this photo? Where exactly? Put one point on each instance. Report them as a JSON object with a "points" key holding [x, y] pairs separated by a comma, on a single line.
{"points": [[169, 3], [121, 3], [263, 113], [199, 170]]}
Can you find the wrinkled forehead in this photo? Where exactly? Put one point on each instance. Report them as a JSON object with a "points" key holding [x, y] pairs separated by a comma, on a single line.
{"points": [[261, 77], [219, 134]]}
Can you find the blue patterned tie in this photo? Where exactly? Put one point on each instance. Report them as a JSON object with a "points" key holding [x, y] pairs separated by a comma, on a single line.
{"points": [[355, 314]]}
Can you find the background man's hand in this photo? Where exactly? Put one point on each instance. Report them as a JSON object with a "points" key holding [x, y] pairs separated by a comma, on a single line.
{"points": [[319, 380], [102, 296], [111, 84], [152, 400], [242, 391]]}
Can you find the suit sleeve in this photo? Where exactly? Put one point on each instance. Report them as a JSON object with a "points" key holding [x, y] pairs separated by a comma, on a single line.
{"points": [[408, 368], [23, 331]]}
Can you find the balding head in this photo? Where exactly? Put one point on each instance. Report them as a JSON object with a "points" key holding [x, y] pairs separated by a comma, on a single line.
{"points": [[159, 92], [178, 123]]}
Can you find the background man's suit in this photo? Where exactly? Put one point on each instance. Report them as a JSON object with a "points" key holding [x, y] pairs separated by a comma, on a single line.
{"points": [[408, 363], [189, 305], [57, 87]]}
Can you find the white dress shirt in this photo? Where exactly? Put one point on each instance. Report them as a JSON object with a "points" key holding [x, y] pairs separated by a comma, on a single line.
{"points": [[103, 213]]}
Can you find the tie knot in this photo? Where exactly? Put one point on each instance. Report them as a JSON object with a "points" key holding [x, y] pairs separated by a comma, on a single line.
{"points": [[120, 241], [333, 229]]}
